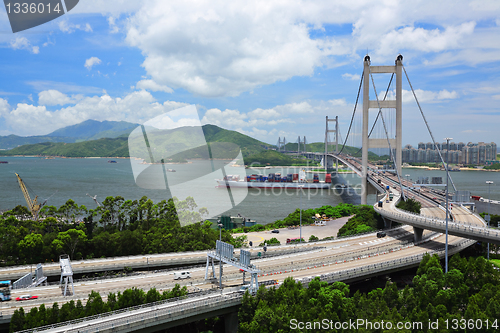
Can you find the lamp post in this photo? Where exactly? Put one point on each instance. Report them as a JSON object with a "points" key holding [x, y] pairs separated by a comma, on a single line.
{"points": [[407, 186], [220, 256], [488, 217], [300, 189], [447, 208]]}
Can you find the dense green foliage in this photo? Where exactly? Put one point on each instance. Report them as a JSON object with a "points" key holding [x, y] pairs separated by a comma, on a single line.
{"points": [[272, 157], [365, 220], [495, 166], [410, 205], [41, 316], [119, 227], [470, 291], [495, 219]]}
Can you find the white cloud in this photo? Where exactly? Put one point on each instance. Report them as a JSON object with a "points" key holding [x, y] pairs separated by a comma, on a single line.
{"points": [[90, 62], [353, 77], [261, 123], [69, 28], [22, 43], [136, 107], [222, 49], [113, 27], [425, 96], [54, 97], [153, 86], [4, 107]]}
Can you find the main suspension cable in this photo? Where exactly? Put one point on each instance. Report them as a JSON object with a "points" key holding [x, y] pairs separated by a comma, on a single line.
{"points": [[353, 113], [428, 128]]}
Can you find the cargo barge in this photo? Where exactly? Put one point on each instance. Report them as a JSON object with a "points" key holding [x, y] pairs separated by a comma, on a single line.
{"points": [[276, 181]]}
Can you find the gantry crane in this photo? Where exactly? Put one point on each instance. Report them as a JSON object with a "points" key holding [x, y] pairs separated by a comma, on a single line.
{"points": [[33, 205]]}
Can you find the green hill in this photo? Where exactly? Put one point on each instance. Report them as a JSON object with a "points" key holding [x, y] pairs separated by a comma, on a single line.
{"points": [[319, 147], [172, 144], [95, 148], [87, 130]]}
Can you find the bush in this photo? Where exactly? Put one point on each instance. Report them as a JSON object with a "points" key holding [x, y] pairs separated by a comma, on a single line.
{"points": [[313, 238], [410, 205], [272, 241]]}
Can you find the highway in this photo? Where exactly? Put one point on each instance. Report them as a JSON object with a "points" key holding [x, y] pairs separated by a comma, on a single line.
{"points": [[329, 257]]}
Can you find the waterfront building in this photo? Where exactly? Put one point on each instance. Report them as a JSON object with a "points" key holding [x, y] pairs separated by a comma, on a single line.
{"points": [[469, 154]]}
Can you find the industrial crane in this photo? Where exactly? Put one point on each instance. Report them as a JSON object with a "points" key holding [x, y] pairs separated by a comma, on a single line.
{"points": [[95, 199], [33, 205]]}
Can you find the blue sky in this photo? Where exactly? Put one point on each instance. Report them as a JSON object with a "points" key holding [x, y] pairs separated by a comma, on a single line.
{"points": [[265, 68]]}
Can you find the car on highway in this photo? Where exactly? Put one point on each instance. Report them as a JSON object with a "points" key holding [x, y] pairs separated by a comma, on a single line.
{"points": [[244, 288], [275, 231], [381, 234], [26, 297]]}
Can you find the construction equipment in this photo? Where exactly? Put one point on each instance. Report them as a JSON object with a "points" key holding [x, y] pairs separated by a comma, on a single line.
{"points": [[33, 205], [95, 199]]}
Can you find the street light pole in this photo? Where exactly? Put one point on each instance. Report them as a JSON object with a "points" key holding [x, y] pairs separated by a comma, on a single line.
{"points": [[220, 257], [489, 182], [407, 186], [447, 208], [300, 189]]}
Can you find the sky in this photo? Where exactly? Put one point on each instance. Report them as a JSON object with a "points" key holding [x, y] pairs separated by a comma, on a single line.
{"points": [[268, 69]]}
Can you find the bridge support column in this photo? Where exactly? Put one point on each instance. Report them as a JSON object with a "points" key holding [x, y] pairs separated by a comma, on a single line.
{"points": [[417, 234], [387, 223], [231, 322]]}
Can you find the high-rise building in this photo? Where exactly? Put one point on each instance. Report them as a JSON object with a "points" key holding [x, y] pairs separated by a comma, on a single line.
{"points": [[468, 154]]}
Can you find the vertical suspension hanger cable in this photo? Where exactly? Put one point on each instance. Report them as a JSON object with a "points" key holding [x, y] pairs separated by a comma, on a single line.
{"points": [[353, 113], [429, 129], [388, 141]]}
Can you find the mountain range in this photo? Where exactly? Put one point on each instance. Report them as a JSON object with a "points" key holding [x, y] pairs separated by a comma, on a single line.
{"points": [[85, 131], [118, 139]]}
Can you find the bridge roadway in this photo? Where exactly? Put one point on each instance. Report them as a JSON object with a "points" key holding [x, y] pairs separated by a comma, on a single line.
{"points": [[366, 266], [345, 257], [464, 224]]}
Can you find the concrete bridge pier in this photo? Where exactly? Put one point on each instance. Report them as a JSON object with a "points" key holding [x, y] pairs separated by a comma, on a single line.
{"points": [[231, 322], [417, 234], [387, 223]]}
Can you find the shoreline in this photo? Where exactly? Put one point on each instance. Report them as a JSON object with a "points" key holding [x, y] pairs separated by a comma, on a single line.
{"points": [[439, 169]]}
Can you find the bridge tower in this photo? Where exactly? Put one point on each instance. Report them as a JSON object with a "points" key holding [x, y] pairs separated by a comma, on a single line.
{"points": [[396, 143], [327, 142], [298, 147]]}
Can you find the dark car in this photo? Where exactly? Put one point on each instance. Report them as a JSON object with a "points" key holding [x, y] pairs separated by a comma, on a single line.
{"points": [[275, 231], [26, 298], [381, 234]]}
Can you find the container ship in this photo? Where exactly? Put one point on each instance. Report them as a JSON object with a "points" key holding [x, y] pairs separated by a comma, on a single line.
{"points": [[276, 180]]}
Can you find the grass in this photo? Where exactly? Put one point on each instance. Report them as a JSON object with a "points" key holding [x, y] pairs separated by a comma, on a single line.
{"points": [[496, 262]]}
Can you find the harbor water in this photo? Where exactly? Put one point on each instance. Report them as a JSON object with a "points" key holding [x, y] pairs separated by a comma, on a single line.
{"points": [[65, 178]]}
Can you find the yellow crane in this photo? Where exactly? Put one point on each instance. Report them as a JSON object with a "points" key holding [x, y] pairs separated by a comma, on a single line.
{"points": [[33, 205]]}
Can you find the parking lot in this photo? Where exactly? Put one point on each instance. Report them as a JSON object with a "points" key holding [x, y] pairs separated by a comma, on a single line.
{"points": [[330, 229]]}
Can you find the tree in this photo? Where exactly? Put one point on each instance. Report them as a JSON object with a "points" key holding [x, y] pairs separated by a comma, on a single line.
{"points": [[31, 248], [95, 304], [68, 240], [18, 321]]}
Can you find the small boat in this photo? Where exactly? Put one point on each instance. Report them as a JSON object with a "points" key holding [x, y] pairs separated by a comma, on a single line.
{"points": [[4, 162], [112, 161], [171, 170]]}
